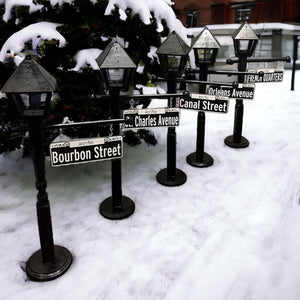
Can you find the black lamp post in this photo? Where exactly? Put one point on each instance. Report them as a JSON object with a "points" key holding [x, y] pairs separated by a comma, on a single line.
{"points": [[205, 48], [29, 90], [245, 41], [117, 70], [173, 54]]}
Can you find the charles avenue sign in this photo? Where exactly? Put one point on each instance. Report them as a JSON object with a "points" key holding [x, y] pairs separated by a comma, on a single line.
{"points": [[151, 117], [85, 150]]}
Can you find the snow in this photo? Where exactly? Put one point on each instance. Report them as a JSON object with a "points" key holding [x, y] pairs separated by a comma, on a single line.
{"points": [[35, 33], [87, 57], [230, 232], [12, 3], [46, 30], [161, 9]]}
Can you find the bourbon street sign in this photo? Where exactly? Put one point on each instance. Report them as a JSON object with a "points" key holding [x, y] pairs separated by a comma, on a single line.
{"points": [[242, 91], [204, 102], [152, 117], [269, 75], [85, 150]]}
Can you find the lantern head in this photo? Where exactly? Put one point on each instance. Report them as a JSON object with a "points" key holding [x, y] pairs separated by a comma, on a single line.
{"points": [[205, 48], [244, 40], [173, 54], [29, 89], [116, 66]]}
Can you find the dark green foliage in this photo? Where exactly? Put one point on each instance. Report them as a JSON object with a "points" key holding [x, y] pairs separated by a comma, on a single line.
{"points": [[8, 141], [133, 138], [83, 26]]}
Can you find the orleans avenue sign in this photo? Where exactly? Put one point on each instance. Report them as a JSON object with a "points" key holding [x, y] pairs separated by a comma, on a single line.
{"points": [[242, 91], [85, 150]]}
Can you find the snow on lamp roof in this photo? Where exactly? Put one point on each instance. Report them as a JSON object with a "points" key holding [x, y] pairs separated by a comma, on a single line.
{"points": [[30, 77], [245, 32], [205, 40], [114, 57], [174, 45]]}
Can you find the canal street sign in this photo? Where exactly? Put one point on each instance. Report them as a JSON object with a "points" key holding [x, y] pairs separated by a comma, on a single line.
{"points": [[151, 117], [204, 102], [267, 75], [242, 91], [85, 150]]}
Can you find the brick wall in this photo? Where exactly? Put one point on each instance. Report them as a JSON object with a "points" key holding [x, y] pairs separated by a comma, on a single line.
{"points": [[291, 11], [220, 11]]}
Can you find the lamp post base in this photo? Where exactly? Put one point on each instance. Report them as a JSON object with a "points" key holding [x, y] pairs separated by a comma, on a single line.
{"points": [[207, 160], [178, 179], [37, 270], [107, 210], [242, 144]]}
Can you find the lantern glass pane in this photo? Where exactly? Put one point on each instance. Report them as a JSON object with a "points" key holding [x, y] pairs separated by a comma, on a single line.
{"points": [[205, 54], [25, 100], [36, 101], [174, 62], [115, 75], [244, 44]]}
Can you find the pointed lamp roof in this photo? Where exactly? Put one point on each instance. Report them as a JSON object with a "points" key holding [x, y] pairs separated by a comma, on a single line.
{"points": [[30, 77], [173, 45], [205, 39], [245, 32], [114, 57]]}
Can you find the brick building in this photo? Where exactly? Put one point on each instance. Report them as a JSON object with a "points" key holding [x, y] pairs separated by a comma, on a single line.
{"points": [[195, 13]]}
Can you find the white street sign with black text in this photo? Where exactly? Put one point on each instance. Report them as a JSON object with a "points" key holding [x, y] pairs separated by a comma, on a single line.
{"points": [[85, 150], [151, 117]]}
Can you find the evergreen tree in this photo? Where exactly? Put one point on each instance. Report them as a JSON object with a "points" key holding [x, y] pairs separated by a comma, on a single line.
{"points": [[84, 25]]}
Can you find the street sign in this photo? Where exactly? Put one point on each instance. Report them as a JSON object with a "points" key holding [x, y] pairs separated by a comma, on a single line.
{"points": [[268, 75], [85, 150], [242, 91], [204, 102], [151, 117]]}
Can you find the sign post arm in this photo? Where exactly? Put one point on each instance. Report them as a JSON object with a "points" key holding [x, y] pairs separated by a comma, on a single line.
{"points": [[232, 61]]}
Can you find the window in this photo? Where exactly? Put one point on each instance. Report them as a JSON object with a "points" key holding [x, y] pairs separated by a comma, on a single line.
{"points": [[242, 11], [192, 18], [242, 15]]}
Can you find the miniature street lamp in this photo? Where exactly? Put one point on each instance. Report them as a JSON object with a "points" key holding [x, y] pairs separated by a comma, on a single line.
{"points": [[29, 90], [172, 54], [117, 70], [245, 41], [205, 50]]}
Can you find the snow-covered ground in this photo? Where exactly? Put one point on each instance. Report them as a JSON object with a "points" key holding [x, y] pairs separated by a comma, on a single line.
{"points": [[230, 232]]}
